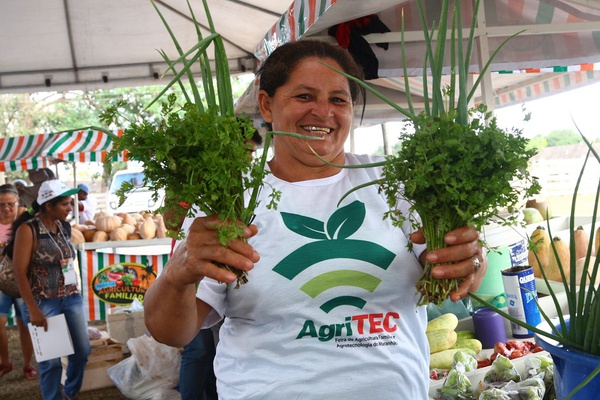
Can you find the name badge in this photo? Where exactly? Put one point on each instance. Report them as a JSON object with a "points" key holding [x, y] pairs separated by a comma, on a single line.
{"points": [[68, 270]]}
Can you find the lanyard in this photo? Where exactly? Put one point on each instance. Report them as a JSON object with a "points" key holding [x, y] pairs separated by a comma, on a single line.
{"points": [[54, 241]]}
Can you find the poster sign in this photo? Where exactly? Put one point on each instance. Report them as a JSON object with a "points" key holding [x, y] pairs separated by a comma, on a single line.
{"points": [[92, 262], [122, 282]]}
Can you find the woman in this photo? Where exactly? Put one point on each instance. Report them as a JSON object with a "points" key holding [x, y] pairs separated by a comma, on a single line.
{"points": [[330, 310], [47, 281], [9, 205]]}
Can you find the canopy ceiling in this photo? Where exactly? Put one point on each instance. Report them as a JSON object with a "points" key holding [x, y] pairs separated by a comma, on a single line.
{"points": [[91, 44], [558, 50], [87, 44]]}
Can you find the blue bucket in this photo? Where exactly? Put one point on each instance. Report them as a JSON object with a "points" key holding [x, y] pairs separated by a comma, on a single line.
{"points": [[571, 367]]}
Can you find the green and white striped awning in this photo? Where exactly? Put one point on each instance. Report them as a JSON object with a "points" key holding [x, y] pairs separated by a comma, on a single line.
{"points": [[39, 151], [23, 152]]}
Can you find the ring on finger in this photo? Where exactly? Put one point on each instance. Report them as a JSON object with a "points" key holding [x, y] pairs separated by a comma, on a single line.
{"points": [[476, 264]]}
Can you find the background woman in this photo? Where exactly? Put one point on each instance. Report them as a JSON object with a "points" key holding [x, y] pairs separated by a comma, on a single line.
{"points": [[47, 280], [9, 205], [330, 309]]}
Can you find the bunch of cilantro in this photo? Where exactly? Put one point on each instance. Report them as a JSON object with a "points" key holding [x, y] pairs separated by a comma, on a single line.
{"points": [[454, 175], [201, 160]]}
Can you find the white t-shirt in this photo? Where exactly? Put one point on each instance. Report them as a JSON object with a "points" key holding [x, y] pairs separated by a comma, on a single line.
{"points": [[89, 210], [329, 311]]}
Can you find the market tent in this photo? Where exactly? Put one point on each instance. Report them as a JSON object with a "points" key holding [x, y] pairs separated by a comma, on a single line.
{"points": [[89, 44], [42, 150], [559, 49]]}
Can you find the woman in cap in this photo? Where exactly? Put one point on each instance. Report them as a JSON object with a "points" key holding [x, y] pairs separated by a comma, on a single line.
{"points": [[46, 277]]}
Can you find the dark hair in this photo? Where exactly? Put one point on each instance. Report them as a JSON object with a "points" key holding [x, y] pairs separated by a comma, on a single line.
{"points": [[8, 188], [277, 68], [24, 217], [256, 138]]}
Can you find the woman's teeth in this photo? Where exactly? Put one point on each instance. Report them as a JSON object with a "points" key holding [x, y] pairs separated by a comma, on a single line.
{"points": [[317, 129]]}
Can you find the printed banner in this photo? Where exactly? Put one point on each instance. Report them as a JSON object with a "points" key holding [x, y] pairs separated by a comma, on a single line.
{"points": [[102, 288]]}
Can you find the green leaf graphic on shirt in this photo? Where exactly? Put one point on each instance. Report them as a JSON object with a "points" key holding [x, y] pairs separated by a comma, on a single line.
{"points": [[333, 243]]}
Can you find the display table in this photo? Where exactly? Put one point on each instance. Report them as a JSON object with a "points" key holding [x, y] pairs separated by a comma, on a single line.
{"points": [[94, 257]]}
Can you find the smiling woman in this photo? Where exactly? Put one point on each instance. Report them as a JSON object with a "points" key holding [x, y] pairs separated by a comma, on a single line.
{"points": [[331, 286]]}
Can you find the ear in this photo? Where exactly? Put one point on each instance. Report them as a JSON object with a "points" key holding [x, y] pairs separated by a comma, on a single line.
{"points": [[264, 105]]}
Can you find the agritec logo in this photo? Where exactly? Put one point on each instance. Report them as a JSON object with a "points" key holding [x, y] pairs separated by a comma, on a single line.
{"points": [[332, 241]]}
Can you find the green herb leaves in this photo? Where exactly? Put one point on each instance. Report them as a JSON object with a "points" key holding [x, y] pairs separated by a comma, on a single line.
{"points": [[456, 175]]}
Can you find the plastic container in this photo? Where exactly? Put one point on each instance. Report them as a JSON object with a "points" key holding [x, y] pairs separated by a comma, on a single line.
{"points": [[489, 327], [509, 249]]}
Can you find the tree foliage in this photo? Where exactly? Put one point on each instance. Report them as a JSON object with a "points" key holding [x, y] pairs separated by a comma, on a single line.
{"points": [[45, 112]]}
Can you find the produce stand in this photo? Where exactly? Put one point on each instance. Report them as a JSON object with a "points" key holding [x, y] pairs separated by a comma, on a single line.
{"points": [[93, 257]]}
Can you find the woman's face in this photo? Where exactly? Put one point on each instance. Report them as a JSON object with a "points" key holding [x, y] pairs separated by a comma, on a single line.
{"points": [[314, 102], [60, 210], [9, 204]]}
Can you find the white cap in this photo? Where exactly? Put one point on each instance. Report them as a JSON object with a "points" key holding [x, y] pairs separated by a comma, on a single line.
{"points": [[52, 189]]}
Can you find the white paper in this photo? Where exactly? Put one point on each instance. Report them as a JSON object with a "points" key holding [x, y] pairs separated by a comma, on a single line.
{"points": [[53, 343]]}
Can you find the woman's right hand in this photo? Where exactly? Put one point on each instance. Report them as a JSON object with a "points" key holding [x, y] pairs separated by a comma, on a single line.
{"points": [[196, 256], [37, 317]]}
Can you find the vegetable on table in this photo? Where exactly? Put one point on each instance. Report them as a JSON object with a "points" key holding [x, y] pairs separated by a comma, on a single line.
{"points": [[444, 321]]}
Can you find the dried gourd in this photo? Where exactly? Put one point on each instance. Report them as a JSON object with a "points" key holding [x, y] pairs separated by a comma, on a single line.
{"points": [[148, 229], [137, 216], [89, 234], [108, 224], [100, 236], [161, 229], [80, 227], [562, 255], [129, 229], [582, 242], [118, 234], [580, 267], [128, 219], [77, 236], [540, 245]]}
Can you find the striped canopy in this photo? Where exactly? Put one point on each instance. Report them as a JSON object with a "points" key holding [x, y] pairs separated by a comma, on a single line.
{"points": [[39, 151]]}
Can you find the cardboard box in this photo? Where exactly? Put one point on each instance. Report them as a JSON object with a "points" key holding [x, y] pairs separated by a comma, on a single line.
{"points": [[123, 325], [100, 360]]}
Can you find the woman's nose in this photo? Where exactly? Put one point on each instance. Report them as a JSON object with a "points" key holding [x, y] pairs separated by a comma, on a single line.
{"points": [[322, 109]]}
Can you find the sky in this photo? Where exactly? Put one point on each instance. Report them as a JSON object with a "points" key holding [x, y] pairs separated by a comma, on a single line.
{"points": [[556, 112]]}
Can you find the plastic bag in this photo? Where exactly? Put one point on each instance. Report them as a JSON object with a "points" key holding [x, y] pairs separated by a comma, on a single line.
{"points": [[150, 373]]}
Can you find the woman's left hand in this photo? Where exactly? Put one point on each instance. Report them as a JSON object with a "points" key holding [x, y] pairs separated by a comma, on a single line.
{"points": [[466, 257]]}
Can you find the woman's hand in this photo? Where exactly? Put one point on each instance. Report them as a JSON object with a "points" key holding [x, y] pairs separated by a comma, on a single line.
{"points": [[37, 317], [169, 301], [196, 256], [465, 255]]}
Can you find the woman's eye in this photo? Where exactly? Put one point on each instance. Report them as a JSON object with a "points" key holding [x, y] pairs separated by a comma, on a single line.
{"points": [[305, 96]]}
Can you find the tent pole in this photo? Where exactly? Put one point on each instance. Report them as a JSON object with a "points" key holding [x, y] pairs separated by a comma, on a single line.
{"points": [[487, 91], [76, 206]]}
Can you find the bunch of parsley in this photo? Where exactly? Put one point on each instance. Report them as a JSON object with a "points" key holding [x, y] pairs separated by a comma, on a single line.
{"points": [[456, 167], [197, 153], [455, 175]]}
